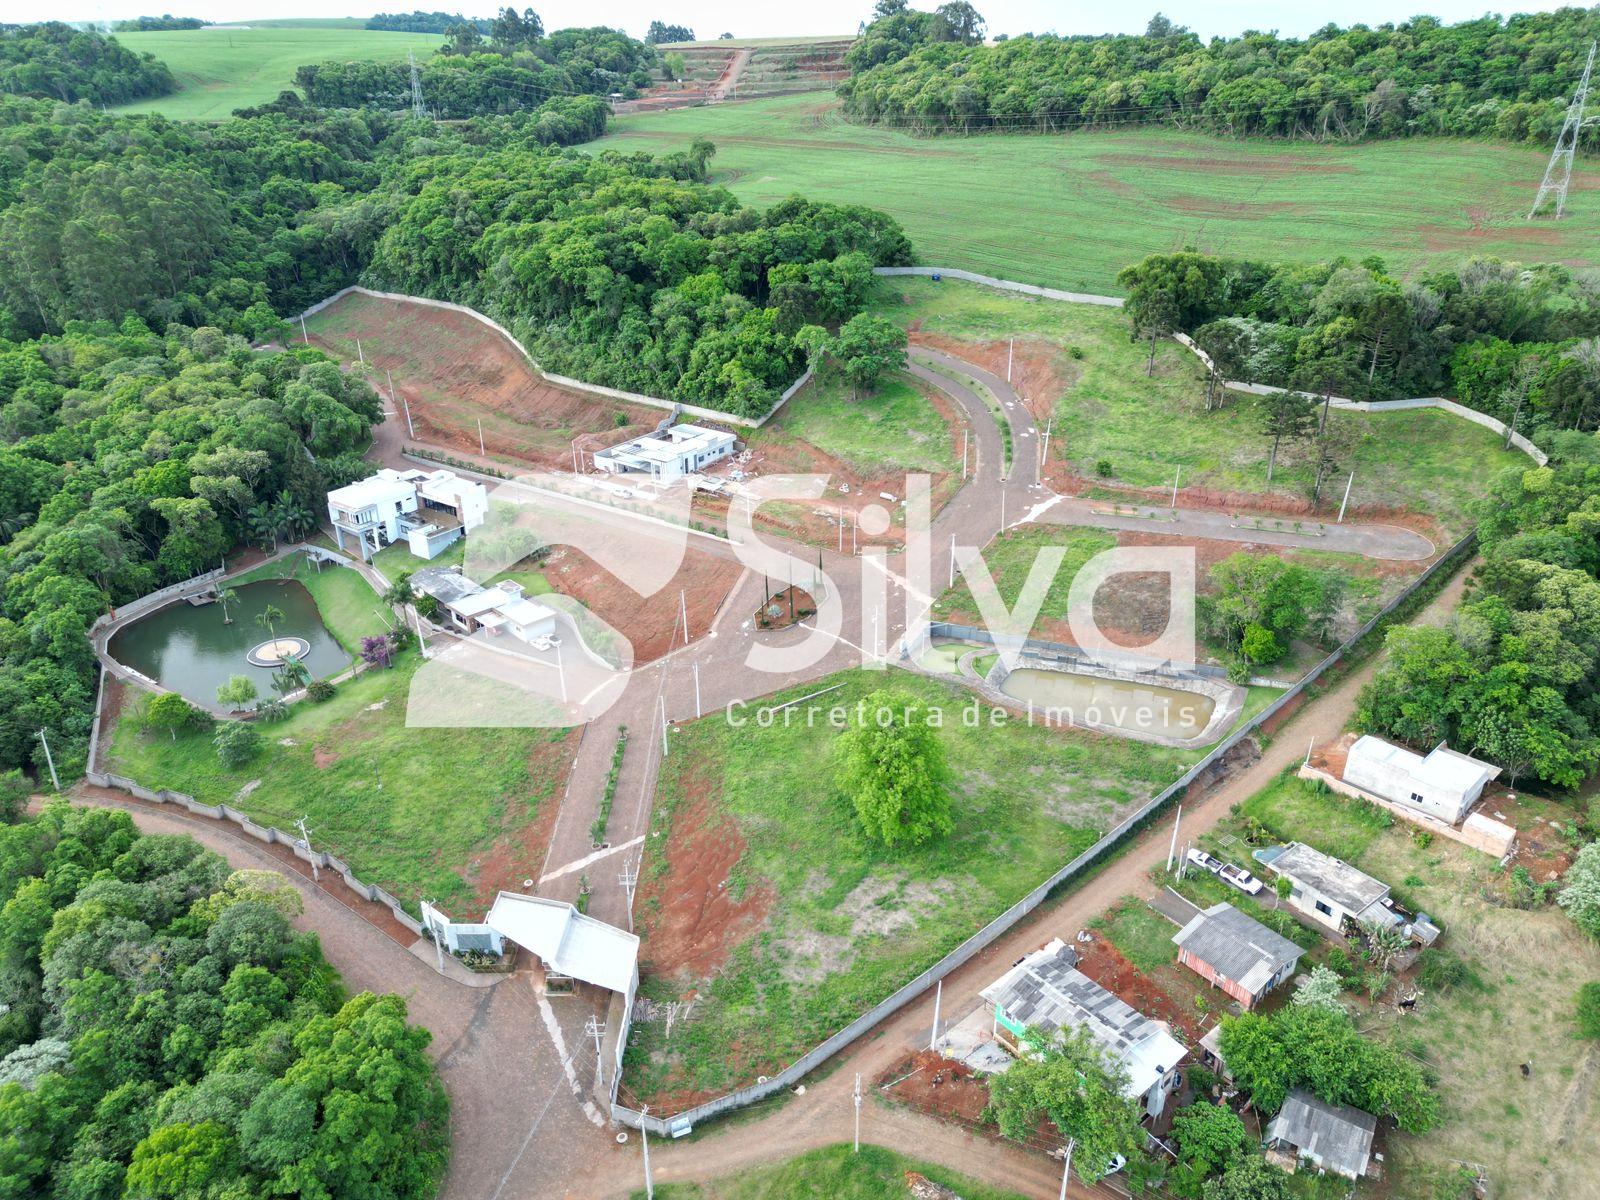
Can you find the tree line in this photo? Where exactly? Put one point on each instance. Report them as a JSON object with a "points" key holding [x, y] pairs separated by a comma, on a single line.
{"points": [[418, 21], [1519, 342], [1507, 78], [155, 24], [165, 1031], [634, 272], [57, 62]]}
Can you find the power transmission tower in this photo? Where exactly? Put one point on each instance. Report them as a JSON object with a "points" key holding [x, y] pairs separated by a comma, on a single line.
{"points": [[1558, 175], [417, 109]]}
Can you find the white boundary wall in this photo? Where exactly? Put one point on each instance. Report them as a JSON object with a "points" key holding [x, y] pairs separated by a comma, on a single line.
{"points": [[1255, 389], [593, 389]]}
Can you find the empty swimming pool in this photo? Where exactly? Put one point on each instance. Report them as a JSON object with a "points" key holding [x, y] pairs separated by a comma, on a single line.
{"points": [[1125, 704]]}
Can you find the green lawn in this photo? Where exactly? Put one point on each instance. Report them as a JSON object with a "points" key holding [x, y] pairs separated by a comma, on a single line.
{"points": [[1010, 559], [834, 1172], [224, 68], [1343, 828], [1071, 210], [892, 430], [1148, 427], [849, 922], [350, 608], [1143, 935], [396, 558], [409, 809]]}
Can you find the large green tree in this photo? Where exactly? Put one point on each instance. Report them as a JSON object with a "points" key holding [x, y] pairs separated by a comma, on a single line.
{"points": [[891, 767]]}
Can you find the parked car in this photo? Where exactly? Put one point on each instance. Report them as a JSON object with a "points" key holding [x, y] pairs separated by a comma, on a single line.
{"points": [[1241, 879], [545, 643], [1199, 858]]}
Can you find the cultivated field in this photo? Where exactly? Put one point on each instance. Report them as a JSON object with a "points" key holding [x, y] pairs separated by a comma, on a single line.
{"points": [[1071, 210], [1107, 411], [769, 906], [223, 68]]}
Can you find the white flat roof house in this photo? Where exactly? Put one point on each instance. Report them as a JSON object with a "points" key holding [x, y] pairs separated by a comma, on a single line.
{"points": [[1046, 992], [468, 607], [429, 509], [1336, 895], [1442, 784], [667, 454]]}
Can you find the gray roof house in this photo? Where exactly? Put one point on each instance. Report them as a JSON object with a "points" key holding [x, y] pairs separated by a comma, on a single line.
{"points": [[1332, 1137], [1236, 953], [1334, 894]]}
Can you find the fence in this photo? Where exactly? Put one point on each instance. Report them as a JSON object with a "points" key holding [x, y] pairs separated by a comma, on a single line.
{"points": [[1005, 285], [1060, 652], [1446, 566], [595, 389], [270, 834]]}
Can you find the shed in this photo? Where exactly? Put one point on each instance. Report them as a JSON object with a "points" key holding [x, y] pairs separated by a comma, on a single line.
{"points": [[1236, 953], [1332, 1137], [1443, 784]]}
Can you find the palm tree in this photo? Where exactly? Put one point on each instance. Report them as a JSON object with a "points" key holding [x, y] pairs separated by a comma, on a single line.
{"points": [[291, 676], [293, 517], [262, 522], [268, 619], [227, 596]]}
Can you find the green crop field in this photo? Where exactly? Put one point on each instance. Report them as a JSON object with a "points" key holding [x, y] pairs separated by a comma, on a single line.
{"points": [[1070, 210], [223, 68]]}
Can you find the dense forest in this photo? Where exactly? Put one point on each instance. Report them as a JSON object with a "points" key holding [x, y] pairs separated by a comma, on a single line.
{"points": [[425, 22], [1517, 342], [635, 273], [1504, 78], [1515, 676], [150, 24], [135, 459], [165, 1032], [56, 62]]}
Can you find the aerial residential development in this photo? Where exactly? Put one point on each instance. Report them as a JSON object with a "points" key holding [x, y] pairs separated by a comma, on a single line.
{"points": [[894, 604]]}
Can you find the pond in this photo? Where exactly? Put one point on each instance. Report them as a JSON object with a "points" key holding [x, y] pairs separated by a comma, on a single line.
{"points": [[191, 650], [1113, 703]]}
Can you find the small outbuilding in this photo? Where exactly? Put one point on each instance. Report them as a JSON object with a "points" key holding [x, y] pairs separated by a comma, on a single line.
{"points": [[1236, 953], [1331, 1137], [1443, 783]]}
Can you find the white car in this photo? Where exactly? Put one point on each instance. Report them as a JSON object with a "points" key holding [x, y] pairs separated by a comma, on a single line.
{"points": [[1199, 858], [1241, 879], [544, 643]]}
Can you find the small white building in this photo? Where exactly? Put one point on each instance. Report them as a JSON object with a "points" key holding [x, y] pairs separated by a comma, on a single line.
{"points": [[1442, 784], [1045, 992], [429, 509], [667, 454]]}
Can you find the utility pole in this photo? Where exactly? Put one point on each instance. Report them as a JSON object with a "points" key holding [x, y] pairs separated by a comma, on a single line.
{"points": [[952, 582], [561, 673], [1067, 1169], [1044, 454], [411, 429], [1172, 847], [1175, 479], [418, 109], [1558, 174], [683, 611], [938, 999], [1348, 484], [858, 1112], [1011, 349], [596, 1029], [629, 879], [438, 941], [49, 759], [304, 336], [644, 1137], [662, 701], [696, 667], [481, 450], [305, 836], [360, 354]]}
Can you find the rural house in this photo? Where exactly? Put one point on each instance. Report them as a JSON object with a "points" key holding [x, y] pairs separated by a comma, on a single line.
{"points": [[1339, 897], [667, 454], [1331, 1137], [1443, 784], [428, 509], [1236, 953], [1046, 992]]}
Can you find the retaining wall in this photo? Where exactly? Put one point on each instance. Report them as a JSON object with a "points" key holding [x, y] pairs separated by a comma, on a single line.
{"points": [[594, 389], [1002, 924]]}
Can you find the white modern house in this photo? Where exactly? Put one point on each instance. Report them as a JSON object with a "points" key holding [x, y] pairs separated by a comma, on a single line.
{"points": [[667, 454], [1443, 783], [428, 509], [500, 610], [1046, 993], [1340, 897]]}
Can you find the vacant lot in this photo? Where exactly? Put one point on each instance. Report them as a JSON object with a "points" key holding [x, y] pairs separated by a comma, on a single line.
{"points": [[221, 69], [1114, 425], [766, 906], [455, 372], [1071, 210], [1516, 1005], [835, 1172], [446, 814]]}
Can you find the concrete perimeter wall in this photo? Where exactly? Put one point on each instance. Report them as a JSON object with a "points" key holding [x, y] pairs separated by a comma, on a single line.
{"points": [[1492, 837], [594, 389], [1446, 566]]}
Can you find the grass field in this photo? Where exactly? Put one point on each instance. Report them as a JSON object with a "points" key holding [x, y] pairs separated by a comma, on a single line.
{"points": [[224, 68], [1528, 966], [410, 809], [835, 1172], [893, 430], [1145, 428], [1070, 211], [842, 922]]}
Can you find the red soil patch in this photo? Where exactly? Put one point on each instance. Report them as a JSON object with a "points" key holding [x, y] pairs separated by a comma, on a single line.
{"points": [[519, 853], [323, 759], [1104, 963], [697, 923], [650, 623], [453, 370], [1541, 849], [933, 1084]]}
